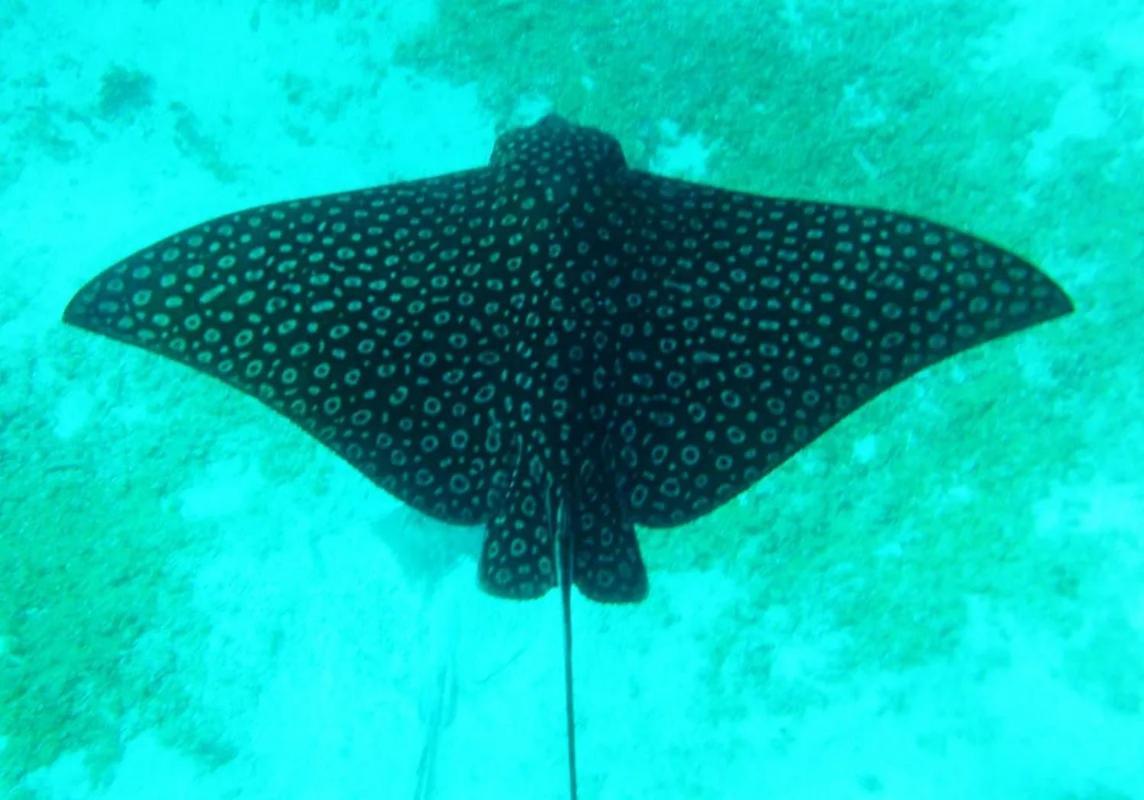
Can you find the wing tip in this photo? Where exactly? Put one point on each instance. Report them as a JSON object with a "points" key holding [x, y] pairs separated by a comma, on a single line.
{"points": [[95, 308], [1055, 303], [74, 310]]}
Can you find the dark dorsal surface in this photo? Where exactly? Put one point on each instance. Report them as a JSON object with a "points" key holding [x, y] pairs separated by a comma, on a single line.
{"points": [[556, 339]]}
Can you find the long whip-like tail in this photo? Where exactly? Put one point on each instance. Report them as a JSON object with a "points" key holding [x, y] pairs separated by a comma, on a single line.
{"points": [[564, 546]]}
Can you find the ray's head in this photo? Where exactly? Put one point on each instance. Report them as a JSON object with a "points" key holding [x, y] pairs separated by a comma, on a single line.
{"points": [[555, 139]]}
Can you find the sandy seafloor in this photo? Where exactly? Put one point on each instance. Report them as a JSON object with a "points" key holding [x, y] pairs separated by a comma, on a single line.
{"points": [[941, 598]]}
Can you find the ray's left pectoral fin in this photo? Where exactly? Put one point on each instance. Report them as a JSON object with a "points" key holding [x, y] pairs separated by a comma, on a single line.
{"points": [[518, 558]]}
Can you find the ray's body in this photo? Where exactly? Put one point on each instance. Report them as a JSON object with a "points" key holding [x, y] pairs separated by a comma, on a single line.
{"points": [[561, 347]]}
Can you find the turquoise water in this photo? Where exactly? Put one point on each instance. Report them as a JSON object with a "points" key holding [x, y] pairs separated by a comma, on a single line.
{"points": [[940, 598]]}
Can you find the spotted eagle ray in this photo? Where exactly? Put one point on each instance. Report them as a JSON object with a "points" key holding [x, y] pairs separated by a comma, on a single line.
{"points": [[560, 347]]}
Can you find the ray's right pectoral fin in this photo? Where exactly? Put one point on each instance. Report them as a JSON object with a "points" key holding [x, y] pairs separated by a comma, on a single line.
{"points": [[518, 559], [606, 562]]}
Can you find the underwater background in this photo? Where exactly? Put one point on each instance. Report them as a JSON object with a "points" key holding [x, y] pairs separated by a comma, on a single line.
{"points": [[943, 597]]}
